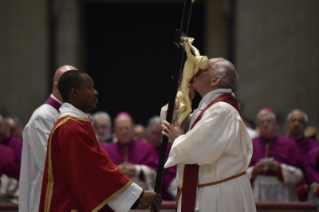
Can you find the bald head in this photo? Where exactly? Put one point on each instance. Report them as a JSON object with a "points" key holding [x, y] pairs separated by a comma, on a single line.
{"points": [[61, 70], [123, 128], [56, 78]]}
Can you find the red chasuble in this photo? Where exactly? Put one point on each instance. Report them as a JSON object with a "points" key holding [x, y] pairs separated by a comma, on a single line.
{"points": [[78, 174]]}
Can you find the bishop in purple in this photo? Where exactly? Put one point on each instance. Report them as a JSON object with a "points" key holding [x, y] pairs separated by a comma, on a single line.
{"points": [[276, 165], [297, 121], [154, 132], [9, 141], [137, 160], [311, 165]]}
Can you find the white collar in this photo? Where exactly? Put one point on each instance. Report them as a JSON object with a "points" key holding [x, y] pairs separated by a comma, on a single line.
{"points": [[209, 97], [56, 99], [68, 109]]}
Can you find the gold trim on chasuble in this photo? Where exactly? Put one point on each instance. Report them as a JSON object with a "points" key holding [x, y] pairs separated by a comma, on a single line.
{"points": [[49, 189], [112, 196]]}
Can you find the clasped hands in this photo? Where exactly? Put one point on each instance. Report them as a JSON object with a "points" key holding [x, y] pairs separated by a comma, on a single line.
{"points": [[261, 168], [128, 169]]}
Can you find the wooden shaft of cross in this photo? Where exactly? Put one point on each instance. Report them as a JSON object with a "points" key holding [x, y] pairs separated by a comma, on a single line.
{"points": [[174, 85]]}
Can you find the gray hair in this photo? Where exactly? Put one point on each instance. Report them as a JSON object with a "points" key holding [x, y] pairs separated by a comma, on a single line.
{"points": [[104, 115], [305, 116], [262, 112], [154, 120], [227, 72]]}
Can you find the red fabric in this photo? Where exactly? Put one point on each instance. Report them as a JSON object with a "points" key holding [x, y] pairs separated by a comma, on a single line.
{"points": [[302, 192], [191, 170], [83, 174]]}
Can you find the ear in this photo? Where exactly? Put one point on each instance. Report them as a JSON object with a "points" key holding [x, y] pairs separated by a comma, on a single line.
{"points": [[215, 81], [55, 85], [74, 93]]}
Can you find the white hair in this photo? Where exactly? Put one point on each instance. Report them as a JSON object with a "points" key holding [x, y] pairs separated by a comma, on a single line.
{"points": [[305, 116], [154, 120], [106, 116], [102, 114], [262, 112], [227, 72]]}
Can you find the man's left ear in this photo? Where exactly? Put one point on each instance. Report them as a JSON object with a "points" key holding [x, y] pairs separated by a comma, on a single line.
{"points": [[216, 81]]}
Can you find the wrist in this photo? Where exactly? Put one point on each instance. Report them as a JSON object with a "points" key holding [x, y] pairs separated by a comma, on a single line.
{"points": [[139, 198]]}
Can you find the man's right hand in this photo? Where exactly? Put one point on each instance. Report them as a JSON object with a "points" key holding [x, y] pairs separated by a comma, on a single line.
{"points": [[150, 198]]}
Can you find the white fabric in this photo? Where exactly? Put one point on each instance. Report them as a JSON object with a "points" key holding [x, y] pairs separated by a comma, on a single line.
{"points": [[312, 197], [9, 189], [35, 137], [220, 145], [149, 175], [269, 188], [125, 200], [252, 133]]}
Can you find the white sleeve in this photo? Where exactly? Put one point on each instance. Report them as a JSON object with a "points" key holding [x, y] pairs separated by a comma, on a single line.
{"points": [[125, 200], [210, 137], [38, 135], [150, 176], [291, 174]]}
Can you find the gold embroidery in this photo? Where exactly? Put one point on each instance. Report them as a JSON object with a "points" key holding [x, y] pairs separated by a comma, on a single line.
{"points": [[112, 196], [49, 189], [79, 118], [74, 211]]}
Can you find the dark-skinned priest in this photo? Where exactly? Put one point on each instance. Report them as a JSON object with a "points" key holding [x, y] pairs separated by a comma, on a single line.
{"points": [[214, 154], [78, 174]]}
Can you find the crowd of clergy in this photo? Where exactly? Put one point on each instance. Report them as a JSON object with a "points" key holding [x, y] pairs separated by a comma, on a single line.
{"points": [[282, 168]]}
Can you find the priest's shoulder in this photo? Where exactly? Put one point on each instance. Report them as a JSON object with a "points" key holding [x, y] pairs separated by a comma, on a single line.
{"points": [[71, 123], [223, 108], [287, 141], [6, 153], [313, 142], [45, 111], [314, 153], [143, 145]]}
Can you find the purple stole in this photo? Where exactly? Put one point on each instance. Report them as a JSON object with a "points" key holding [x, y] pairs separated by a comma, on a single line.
{"points": [[55, 104], [190, 178]]}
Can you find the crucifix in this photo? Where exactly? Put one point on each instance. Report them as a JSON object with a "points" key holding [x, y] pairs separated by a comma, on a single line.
{"points": [[182, 42]]}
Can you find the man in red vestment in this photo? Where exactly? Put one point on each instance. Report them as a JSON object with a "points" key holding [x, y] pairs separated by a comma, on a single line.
{"points": [[78, 174]]}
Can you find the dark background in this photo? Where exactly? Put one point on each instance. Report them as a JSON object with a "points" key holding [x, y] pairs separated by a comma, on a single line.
{"points": [[130, 54]]}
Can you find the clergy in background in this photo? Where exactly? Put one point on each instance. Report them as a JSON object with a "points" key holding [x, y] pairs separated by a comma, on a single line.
{"points": [[10, 141], [9, 174], [213, 156], [275, 167], [35, 138], [312, 175], [297, 121], [137, 159], [79, 175], [102, 126], [169, 184]]}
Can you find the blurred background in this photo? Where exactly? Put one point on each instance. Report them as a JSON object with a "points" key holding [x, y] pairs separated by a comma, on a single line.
{"points": [[127, 47]]}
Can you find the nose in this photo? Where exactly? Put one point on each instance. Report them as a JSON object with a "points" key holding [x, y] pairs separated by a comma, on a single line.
{"points": [[96, 93]]}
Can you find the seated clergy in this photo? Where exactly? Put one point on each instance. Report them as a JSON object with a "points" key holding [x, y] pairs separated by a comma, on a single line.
{"points": [[102, 126], [297, 121], [9, 141], [154, 132], [137, 159], [275, 167], [311, 165]]}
